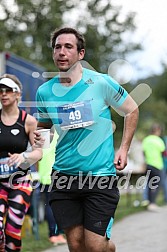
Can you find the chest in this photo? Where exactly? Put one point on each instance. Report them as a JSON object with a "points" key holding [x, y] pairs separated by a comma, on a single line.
{"points": [[12, 138], [84, 111]]}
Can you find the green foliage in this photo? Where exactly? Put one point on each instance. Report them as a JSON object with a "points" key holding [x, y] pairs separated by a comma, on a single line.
{"points": [[154, 108], [126, 207], [160, 89], [25, 29], [104, 31], [26, 26]]}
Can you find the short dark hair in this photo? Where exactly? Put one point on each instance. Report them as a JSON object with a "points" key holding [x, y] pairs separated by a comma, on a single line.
{"points": [[67, 30], [155, 127]]}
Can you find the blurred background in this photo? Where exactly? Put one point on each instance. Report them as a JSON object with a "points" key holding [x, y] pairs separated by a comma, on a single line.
{"points": [[133, 31], [126, 39]]}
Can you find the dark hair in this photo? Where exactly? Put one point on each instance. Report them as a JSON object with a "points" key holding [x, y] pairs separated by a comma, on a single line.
{"points": [[155, 127], [67, 30]]}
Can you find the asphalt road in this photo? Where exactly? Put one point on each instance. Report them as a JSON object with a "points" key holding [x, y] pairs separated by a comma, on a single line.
{"points": [[145, 231]]}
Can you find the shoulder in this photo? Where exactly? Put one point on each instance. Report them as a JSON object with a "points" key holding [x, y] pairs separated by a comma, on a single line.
{"points": [[47, 84], [147, 138], [45, 90], [91, 76], [91, 73], [110, 81], [30, 120], [161, 140], [105, 79]]}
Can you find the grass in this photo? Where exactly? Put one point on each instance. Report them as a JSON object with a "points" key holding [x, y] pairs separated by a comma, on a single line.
{"points": [[36, 242], [126, 207]]}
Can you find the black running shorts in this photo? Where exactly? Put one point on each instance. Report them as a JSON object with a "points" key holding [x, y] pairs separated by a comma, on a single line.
{"points": [[90, 201]]}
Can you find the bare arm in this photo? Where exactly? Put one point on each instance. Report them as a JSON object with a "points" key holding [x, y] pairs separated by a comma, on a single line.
{"points": [[35, 154], [131, 113]]}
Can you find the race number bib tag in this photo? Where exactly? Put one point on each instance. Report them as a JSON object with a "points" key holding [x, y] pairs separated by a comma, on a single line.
{"points": [[5, 169], [75, 115]]}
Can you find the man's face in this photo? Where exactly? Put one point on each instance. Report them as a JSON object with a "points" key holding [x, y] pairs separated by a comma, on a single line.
{"points": [[65, 53]]}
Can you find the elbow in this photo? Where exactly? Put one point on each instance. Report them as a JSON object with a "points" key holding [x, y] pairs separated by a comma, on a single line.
{"points": [[133, 112], [136, 112]]}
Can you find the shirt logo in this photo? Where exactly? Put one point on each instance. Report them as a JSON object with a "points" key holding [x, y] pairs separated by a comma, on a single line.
{"points": [[89, 81], [119, 94], [15, 132], [98, 224]]}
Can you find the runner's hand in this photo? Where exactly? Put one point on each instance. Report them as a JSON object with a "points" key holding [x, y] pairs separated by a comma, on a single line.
{"points": [[38, 140], [15, 159]]}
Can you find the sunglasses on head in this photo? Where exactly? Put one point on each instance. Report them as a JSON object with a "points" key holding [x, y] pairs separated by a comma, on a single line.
{"points": [[6, 90]]}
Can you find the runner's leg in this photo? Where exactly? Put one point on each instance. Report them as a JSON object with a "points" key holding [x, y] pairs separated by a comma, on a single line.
{"points": [[19, 202], [97, 243], [75, 239]]}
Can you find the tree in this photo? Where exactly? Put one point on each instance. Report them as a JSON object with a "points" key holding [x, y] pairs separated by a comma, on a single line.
{"points": [[160, 88], [104, 28], [25, 29], [154, 108]]}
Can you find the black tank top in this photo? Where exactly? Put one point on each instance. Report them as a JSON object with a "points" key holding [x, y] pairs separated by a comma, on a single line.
{"points": [[14, 138]]}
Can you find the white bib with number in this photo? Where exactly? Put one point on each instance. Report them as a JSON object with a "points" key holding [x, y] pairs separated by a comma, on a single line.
{"points": [[5, 169], [75, 115]]}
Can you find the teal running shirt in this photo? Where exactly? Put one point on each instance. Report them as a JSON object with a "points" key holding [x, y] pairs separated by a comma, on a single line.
{"points": [[81, 115]]}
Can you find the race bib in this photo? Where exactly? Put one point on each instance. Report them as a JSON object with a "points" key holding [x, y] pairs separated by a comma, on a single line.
{"points": [[5, 169], [75, 115]]}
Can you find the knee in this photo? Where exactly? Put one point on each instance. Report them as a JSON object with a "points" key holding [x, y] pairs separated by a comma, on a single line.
{"points": [[101, 247], [75, 246], [112, 247]]}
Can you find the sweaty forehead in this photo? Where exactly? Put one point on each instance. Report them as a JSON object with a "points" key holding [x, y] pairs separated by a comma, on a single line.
{"points": [[66, 39]]}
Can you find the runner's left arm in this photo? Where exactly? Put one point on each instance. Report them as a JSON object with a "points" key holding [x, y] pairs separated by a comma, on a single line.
{"points": [[130, 111]]}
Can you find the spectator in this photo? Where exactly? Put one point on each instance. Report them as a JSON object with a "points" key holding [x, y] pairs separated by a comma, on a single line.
{"points": [[153, 147], [164, 171]]}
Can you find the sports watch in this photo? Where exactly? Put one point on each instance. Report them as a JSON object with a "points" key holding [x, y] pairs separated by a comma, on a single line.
{"points": [[25, 156]]}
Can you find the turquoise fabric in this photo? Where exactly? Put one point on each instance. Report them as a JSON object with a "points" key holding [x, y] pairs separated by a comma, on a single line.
{"points": [[109, 228], [86, 149]]}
